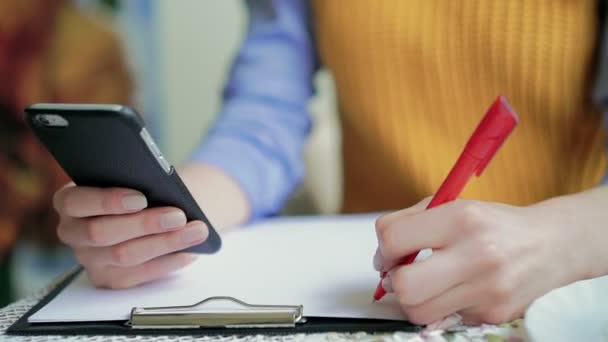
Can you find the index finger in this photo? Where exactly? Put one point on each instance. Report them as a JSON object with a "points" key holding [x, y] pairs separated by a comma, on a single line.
{"points": [[434, 228], [82, 201], [391, 217]]}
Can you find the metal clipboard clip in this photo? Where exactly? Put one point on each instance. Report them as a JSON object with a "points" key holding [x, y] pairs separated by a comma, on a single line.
{"points": [[206, 315]]}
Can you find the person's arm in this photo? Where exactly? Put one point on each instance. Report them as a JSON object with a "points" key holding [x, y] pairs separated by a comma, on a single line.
{"points": [[252, 159], [492, 260], [245, 169], [583, 217]]}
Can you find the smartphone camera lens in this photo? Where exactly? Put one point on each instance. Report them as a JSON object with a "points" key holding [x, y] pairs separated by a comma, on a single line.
{"points": [[43, 120], [52, 120]]}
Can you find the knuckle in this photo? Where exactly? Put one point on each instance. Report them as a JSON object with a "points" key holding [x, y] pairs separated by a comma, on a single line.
{"points": [[491, 254], [148, 269], [382, 224], [109, 200], [148, 221], [121, 255], [388, 244], [94, 233], [173, 241], [471, 218]]}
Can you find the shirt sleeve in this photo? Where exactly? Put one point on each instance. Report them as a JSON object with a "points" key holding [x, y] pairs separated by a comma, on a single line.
{"points": [[260, 132]]}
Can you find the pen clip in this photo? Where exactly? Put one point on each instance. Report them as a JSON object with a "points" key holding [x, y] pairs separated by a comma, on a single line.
{"points": [[483, 163], [496, 125]]}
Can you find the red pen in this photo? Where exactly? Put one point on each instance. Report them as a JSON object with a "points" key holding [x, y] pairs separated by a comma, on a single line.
{"points": [[489, 135]]}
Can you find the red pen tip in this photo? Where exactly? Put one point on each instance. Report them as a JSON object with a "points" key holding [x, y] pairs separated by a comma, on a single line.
{"points": [[379, 293]]}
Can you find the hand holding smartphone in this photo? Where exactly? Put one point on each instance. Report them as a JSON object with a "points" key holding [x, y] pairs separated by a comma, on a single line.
{"points": [[129, 213]]}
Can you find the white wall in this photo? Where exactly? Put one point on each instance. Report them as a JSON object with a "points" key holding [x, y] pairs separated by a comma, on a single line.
{"points": [[198, 40]]}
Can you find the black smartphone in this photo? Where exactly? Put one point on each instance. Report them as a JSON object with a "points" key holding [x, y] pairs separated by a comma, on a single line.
{"points": [[103, 145]]}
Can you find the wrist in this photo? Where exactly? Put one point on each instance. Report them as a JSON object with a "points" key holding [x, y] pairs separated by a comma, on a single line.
{"points": [[218, 195], [570, 237]]}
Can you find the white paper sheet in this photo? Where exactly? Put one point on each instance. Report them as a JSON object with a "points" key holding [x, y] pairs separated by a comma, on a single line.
{"points": [[323, 263]]}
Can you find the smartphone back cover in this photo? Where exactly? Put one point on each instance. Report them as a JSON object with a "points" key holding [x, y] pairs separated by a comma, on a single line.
{"points": [[103, 148]]}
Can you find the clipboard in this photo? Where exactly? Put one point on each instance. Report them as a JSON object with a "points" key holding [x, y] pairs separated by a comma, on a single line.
{"points": [[245, 319]]}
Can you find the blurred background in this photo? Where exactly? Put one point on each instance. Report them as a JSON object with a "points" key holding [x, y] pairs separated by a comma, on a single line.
{"points": [[166, 58]]}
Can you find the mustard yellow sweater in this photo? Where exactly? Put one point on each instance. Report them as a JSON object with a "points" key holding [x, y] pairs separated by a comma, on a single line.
{"points": [[414, 77]]}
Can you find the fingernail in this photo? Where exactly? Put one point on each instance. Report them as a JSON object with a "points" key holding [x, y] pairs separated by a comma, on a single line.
{"points": [[173, 219], [445, 323], [187, 259], [134, 202], [193, 234], [387, 284], [377, 261]]}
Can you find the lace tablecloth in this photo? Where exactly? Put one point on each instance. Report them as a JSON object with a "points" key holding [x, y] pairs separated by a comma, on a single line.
{"points": [[512, 332]]}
